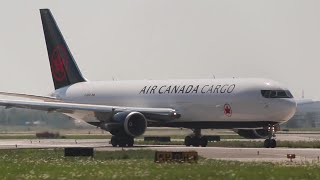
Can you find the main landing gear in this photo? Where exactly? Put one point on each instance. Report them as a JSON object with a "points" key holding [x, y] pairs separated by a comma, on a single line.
{"points": [[122, 141], [270, 142], [196, 139]]}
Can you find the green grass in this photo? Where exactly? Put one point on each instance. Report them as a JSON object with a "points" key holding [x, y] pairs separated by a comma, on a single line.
{"points": [[138, 164], [24, 136]]}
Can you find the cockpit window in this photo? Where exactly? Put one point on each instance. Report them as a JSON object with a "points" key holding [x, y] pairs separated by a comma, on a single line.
{"points": [[276, 94]]}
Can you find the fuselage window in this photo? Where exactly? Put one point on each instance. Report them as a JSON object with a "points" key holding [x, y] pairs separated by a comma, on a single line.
{"points": [[276, 94]]}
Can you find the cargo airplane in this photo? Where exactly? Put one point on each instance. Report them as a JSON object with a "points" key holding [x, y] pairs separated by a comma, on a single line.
{"points": [[252, 107]]}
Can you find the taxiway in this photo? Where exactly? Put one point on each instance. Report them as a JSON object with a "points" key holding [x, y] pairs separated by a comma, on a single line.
{"points": [[222, 153]]}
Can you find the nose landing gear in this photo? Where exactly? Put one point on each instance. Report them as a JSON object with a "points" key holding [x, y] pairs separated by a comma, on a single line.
{"points": [[270, 142], [196, 139]]}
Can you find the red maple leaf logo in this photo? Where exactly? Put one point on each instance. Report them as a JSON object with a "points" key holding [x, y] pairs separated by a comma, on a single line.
{"points": [[227, 110], [59, 63]]}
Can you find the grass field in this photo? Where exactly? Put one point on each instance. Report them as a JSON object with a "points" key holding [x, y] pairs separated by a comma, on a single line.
{"points": [[138, 164]]}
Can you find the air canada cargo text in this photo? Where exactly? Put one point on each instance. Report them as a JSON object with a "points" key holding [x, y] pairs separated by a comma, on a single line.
{"points": [[186, 89]]}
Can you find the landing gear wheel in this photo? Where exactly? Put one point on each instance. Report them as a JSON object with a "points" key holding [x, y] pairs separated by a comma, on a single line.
{"points": [[122, 141], [114, 142], [273, 143], [204, 141], [266, 143], [187, 141], [196, 139], [270, 142], [130, 142]]}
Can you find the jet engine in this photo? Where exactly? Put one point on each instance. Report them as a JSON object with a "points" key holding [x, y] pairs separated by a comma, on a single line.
{"points": [[134, 123], [252, 133]]}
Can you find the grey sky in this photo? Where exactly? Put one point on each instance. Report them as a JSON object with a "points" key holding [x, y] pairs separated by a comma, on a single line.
{"points": [[165, 39]]}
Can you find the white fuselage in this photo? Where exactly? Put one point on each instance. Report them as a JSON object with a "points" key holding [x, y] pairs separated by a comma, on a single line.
{"points": [[213, 103]]}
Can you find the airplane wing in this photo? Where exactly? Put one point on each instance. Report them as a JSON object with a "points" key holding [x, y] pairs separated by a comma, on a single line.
{"points": [[157, 114], [34, 97]]}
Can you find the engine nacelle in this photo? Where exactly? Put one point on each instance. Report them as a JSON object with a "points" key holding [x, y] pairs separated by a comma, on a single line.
{"points": [[134, 123], [252, 133]]}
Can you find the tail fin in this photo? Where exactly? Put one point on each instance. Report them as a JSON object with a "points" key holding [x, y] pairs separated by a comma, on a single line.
{"points": [[64, 69]]}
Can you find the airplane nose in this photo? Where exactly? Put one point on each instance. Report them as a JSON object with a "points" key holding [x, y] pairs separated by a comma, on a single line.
{"points": [[288, 109]]}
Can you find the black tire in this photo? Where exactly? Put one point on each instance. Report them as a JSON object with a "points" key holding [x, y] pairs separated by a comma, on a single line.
{"points": [[204, 141], [267, 143], [273, 143], [196, 141], [187, 141], [130, 142], [114, 141]]}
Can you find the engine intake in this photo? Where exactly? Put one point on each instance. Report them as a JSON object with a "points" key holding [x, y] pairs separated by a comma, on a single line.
{"points": [[135, 124]]}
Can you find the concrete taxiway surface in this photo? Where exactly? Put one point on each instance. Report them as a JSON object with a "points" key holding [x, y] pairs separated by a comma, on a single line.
{"points": [[239, 154], [251, 154]]}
